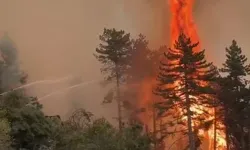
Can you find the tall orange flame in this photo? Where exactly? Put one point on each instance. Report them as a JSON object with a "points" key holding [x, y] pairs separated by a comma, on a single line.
{"points": [[182, 22]]}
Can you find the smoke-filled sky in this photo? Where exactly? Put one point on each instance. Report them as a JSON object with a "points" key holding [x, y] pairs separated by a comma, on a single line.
{"points": [[221, 21], [56, 38]]}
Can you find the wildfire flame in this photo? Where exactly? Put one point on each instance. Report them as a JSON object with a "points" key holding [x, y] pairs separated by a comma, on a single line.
{"points": [[182, 22]]}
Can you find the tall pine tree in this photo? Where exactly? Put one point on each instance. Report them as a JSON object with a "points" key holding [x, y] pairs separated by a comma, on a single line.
{"points": [[112, 52], [233, 96], [184, 82]]}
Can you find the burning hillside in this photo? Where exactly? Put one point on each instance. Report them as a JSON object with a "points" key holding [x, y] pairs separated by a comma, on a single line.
{"points": [[181, 23]]}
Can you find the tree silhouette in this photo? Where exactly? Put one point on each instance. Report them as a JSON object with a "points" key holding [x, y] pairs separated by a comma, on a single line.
{"points": [[112, 53], [184, 84]]}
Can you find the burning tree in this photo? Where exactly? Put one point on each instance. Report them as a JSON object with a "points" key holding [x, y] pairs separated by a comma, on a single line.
{"points": [[185, 80]]}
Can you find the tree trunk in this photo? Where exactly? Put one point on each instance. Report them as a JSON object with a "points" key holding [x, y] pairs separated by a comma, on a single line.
{"points": [[191, 137], [243, 145], [190, 128], [154, 126], [248, 138], [118, 100], [215, 129], [226, 127], [227, 137]]}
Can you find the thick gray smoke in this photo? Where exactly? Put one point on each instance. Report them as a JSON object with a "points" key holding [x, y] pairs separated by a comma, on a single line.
{"points": [[57, 38]]}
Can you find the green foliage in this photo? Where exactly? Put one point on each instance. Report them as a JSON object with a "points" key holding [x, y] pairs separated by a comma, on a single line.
{"points": [[29, 128], [5, 139], [81, 131], [23, 125], [134, 138]]}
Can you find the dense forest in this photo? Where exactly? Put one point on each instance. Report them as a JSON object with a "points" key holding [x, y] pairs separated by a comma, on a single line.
{"points": [[185, 82]]}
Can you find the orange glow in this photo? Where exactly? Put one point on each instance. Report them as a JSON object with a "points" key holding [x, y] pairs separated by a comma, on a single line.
{"points": [[182, 22], [145, 96]]}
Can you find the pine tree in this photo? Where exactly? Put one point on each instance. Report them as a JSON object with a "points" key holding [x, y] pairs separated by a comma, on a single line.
{"points": [[235, 65], [233, 95], [184, 82], [112, 53]]}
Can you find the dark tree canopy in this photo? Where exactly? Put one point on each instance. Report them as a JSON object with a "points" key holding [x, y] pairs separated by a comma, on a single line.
{"points": [[113, 51], [29, 128], [234, 97], [235, 65], [183, 68], [185, 80]]}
